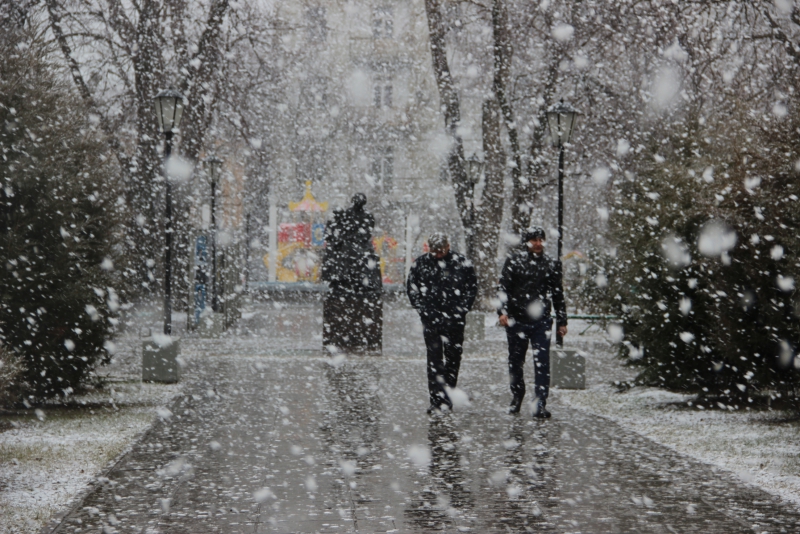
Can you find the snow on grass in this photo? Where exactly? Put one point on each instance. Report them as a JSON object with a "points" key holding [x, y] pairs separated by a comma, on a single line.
{"points": [[751, 444], [46, 462]]}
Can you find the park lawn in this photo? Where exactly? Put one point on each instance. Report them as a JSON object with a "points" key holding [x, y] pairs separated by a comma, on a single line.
{"points": [[762, 447], [50, 454]]}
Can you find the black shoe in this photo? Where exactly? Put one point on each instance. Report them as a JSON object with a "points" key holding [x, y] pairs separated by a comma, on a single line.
{"points": [[432, 409], [541, 412], [514, 407], [442, 408]]}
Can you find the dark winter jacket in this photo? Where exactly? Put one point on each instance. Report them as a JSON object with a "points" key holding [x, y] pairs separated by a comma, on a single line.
{"points": [[350, 263], [442, 290], [527, 278]]}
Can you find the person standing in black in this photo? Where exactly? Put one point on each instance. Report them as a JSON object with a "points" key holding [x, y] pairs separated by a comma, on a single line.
{"points": [[442, 287], [530, 283], [352, 309]]}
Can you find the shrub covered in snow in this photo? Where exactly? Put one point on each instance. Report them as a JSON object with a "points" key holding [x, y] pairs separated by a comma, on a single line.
{"points": [[706, 257], [57, 224]]}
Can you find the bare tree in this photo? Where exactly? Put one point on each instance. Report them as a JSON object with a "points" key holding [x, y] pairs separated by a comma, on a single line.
{"points": [[489, 211], [118, 55], [451, 109]]}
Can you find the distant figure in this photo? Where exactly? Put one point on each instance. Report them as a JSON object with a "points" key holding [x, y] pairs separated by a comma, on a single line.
{"points": [[353, 308], [442, 287], [529, 282], [350, 261], [352, 226]]}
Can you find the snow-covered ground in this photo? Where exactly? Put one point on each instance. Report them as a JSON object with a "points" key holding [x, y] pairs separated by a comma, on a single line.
{"points": [[49, 456], [758, 446], [48, 459]]}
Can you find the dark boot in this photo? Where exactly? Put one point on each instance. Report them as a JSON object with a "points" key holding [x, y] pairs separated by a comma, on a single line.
{"points": [[439, 409], [516, 404], [540, 412]]}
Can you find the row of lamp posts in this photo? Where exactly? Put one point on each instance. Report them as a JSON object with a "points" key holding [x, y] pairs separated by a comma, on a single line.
{"points": [[169, 111]]}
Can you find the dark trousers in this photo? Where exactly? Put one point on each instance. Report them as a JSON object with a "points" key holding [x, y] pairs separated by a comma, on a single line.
{"points": [[519, 335], [444, 344]]}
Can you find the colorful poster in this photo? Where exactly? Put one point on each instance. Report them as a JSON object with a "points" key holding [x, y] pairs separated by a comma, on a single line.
{"points": [[318, 234]]}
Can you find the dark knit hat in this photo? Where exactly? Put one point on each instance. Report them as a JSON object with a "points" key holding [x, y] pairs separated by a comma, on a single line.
{"points": [[533, 232]]}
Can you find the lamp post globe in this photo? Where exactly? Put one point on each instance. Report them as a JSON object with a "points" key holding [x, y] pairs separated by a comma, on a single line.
{"points": [[169, 106], [561, 121], [169, 110], [214, 168]]}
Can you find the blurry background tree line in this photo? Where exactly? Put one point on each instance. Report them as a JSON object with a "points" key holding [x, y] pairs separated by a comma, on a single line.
{"points": [[681, 187]]}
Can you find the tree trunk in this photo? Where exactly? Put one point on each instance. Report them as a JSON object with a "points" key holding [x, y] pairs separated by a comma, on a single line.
{"points": [[146, 71], [452, 117], [503, 54], [538, 158], [201, 83], [489, 213]]}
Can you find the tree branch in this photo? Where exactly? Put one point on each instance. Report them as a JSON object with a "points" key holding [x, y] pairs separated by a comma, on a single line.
{"points": [[54, 11]]}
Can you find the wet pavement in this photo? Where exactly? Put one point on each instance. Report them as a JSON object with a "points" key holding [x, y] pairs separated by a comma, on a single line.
{"points": [[271, 435]]}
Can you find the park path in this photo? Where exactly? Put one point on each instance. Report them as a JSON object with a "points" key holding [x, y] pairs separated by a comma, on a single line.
{"points": [[272, 436]]}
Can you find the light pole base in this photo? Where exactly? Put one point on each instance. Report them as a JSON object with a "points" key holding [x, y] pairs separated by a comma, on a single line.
{"points": [[160, 361], [567, 368]]}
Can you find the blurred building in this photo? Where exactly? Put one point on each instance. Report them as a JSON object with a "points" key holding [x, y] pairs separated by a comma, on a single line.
{"points": [[359, 111]]}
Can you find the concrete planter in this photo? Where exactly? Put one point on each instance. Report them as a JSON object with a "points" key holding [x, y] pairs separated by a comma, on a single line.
{"points": [[567, 369], [211, 325], [475, 328], [160, 362]]}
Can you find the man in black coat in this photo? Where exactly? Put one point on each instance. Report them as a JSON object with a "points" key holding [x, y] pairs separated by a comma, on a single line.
{"points": [[442, 286], [530, 284]]}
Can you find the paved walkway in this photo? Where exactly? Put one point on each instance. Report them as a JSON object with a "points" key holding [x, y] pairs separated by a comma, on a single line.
{"points": [[302, 443]]}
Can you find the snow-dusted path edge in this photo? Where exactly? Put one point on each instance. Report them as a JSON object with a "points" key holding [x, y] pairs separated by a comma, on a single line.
{"points": [[78, 498], [102, 476], [751, 445], [48, 463]]}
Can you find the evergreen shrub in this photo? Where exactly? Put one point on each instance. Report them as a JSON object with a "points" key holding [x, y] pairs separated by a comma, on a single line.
{"points": [[706, 257], [57, 226]]}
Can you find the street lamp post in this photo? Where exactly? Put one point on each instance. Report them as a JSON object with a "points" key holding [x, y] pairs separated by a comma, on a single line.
{"points": [[169, 111], [561, 119], [214, 165]]}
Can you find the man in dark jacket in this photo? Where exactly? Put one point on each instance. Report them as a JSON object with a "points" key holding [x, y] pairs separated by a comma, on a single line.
{"points": [[442, 286], [529, 284]]}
